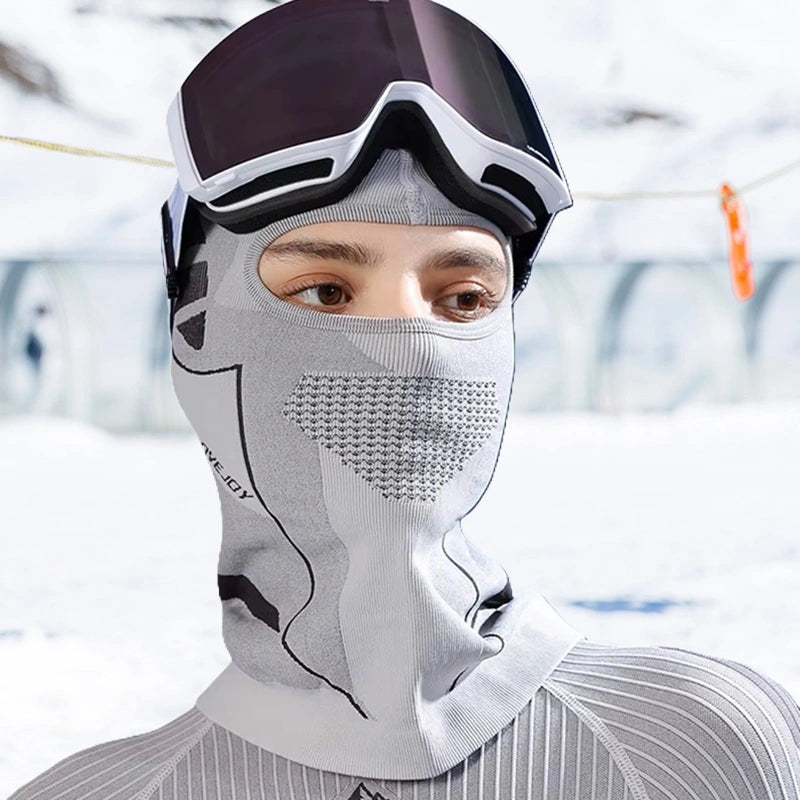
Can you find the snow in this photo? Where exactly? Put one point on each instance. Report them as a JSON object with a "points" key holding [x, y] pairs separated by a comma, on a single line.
{"points": [[676, 530]]}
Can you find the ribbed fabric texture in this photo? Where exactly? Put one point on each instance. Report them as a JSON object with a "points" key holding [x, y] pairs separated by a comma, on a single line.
{"points": [[397, 190], [610, 723]]}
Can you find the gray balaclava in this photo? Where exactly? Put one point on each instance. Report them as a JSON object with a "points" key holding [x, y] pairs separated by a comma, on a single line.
{"points": [[368, 635]]}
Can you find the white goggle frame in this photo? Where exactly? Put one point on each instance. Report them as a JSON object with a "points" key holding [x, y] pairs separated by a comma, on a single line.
{"points": [[472, 150]]}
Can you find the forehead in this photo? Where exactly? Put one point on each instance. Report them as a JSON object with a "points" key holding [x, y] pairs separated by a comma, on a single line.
{"points": [[372, 243]]}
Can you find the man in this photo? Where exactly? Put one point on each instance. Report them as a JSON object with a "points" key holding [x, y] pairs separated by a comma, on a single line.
{"points": [[342, 332]]}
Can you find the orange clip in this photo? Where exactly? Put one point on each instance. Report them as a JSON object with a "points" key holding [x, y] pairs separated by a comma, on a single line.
{"points": [[741, 267]]}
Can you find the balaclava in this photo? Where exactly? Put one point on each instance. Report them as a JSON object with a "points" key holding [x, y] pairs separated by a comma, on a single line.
{"points": [[367, 634]]}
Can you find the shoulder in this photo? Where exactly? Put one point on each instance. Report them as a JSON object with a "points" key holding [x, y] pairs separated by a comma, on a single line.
{"points": [[127, 769], [690, 724]]}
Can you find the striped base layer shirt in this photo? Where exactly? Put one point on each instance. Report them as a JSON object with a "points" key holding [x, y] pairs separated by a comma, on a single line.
{"points": [[608, 723]]}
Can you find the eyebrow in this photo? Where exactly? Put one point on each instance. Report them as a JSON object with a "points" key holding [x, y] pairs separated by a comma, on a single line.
{"points": [[469, 257], [327, 251], [362, 256]]}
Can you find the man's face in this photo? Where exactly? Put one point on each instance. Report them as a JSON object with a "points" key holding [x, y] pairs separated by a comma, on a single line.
{"points": [[375, 269]]}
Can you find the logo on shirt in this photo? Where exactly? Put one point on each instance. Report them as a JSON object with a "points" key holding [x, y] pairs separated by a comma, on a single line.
{"points": [[365, 790]]}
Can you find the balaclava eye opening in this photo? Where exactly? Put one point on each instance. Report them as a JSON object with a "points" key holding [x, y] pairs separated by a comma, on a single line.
{"points": [[367, 634]]}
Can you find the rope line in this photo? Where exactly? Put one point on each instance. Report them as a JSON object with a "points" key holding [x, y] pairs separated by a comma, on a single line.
{"points": [[601, 196], [770, 176], [87, 151]]}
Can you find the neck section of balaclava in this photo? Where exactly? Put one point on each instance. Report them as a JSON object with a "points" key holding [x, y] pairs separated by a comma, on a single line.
{"points": [[367, 634]]}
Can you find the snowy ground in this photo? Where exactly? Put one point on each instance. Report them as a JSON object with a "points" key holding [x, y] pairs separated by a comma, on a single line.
{"points": [[642, 529]]}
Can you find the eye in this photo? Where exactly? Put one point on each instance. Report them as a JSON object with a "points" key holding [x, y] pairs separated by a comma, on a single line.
{"points": [[470, 302], [319, 293]]}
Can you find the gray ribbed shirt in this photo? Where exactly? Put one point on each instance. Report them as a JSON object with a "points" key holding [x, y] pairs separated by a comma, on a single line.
{"points": [[609, 723]]}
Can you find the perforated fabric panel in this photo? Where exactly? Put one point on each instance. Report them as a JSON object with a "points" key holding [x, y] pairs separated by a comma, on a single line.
{"points": [[405, 435]]}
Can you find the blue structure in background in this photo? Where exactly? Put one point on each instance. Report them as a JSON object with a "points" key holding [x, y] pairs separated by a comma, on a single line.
{"points": [[628, 604]]}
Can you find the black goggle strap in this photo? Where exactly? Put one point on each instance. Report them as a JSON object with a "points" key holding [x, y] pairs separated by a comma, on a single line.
{"points": [[173, 212], [168, 253]]}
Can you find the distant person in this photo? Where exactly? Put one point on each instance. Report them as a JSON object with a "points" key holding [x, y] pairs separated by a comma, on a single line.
{"points": [[33, 343], [363, 187], [34, 375]]}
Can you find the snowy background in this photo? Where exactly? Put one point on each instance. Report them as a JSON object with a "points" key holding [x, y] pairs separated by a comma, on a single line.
{"points": [[678, 529], [661, 529]]}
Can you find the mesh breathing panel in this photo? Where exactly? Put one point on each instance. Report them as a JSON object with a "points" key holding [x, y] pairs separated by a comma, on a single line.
{"points": [[405, 435]]}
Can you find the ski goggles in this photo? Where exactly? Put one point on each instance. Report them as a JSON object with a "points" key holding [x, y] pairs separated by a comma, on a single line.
{"points": [[291, 110]]}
